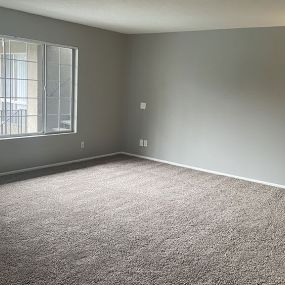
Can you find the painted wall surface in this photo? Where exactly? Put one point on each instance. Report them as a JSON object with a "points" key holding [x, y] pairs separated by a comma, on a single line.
{"points": [[100, 89], [216, 100]]}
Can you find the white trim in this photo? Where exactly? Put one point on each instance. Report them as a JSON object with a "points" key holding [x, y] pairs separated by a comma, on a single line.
{"points": [[16, 38], [206, 170], [143, 157], [57, 164], [35, 135]]}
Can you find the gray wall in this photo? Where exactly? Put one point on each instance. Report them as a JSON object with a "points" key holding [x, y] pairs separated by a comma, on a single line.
{"points": [[216, 100], [100, 89]]}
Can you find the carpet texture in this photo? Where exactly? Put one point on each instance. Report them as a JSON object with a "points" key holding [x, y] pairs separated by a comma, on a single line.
{"points": [[125, 221]]}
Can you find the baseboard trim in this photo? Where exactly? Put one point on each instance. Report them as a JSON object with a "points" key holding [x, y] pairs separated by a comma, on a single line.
{"points": [[205, 170], [143, 157], [57, 164]]}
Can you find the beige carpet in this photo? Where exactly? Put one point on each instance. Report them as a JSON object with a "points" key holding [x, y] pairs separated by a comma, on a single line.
{"points": [[130, 221]]}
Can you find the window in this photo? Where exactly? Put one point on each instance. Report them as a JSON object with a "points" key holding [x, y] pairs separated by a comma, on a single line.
{"points": [[37, 88]]}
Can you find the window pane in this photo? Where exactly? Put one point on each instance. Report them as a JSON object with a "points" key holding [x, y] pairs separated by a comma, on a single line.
{"points": [[53, 55], [16, 88], [33, 89], [59, 89], [52, 106], [17, 124], [65, 123], [16, 69], [2, 116], [21, 124], [24, 124], [34, 124], [66, 56], [66, 78], [34, 52], [21, 70], [52, 88], [33, 106], [65, 106], [1, 46], [52, 123], [52, 71], [65, 74], [66, 89], [21, 102], [2, 64], [2, 87], [32, 70], [17, 50]]}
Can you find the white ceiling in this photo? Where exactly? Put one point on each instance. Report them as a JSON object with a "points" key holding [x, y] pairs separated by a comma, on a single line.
{"points": [[153, 16]]}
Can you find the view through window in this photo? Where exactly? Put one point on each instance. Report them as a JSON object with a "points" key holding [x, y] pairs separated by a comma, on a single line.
{"points": [[37, 88]]}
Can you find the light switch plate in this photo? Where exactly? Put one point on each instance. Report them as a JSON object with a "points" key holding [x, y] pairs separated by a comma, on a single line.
{"points": [[141, 142], [145, 143], [143, 105]]}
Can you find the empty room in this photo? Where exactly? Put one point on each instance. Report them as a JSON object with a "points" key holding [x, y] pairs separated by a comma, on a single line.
{"points": [[142, 142]]}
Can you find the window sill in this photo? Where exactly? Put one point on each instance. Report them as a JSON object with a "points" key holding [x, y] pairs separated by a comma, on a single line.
{"points": [[36, 136]]}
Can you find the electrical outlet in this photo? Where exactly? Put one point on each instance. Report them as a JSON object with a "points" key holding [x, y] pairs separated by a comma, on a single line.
{"points": [[145, 143], [82, 145], [141, 142], [143, 105]]}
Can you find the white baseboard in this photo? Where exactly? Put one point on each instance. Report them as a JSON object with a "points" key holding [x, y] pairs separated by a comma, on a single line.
{"points": [[57, 164], [144, 157], [206, 170]]}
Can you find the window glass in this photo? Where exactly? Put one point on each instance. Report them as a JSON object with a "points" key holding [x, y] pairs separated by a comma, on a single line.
{"points": [[36, 88]]}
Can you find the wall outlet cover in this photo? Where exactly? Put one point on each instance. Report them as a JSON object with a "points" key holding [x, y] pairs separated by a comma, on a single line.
{"points": [[141, 143], [145, 143]]}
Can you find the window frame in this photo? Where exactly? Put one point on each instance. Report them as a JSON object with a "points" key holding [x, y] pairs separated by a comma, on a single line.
{"points": [[44, 132]]}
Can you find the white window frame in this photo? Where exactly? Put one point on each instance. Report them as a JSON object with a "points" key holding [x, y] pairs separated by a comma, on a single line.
{"points": [[44, 132]]}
